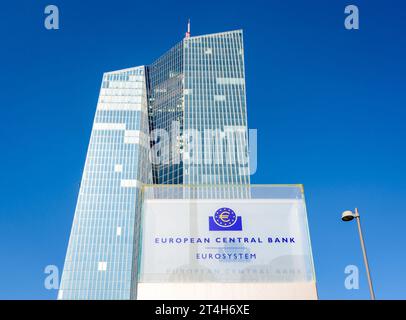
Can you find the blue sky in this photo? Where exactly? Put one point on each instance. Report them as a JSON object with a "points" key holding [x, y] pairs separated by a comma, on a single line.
{"points": [[328, 103]]}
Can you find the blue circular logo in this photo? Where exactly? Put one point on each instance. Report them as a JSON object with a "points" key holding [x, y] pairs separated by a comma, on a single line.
{"points": [[225, 217]]}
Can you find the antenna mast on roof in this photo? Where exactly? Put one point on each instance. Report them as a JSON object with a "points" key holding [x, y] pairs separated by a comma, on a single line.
{"points": [[187, 35]]}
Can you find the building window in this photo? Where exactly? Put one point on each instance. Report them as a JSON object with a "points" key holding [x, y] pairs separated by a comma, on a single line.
{"points": [[102, 266]]}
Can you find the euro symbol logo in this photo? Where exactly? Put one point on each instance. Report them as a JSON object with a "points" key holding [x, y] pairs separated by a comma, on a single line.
{"points": [[224, 216], [225, 219]]}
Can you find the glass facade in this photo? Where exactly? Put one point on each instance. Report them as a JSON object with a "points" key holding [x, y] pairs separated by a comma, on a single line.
{"points": [[215, 107], [165, 78], [102, 253], [193, 93], [197, 97]]}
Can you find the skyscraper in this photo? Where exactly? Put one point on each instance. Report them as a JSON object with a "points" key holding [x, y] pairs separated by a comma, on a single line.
{"points": [[180, 120]]}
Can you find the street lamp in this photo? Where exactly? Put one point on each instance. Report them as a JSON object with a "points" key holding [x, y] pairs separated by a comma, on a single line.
{"points": [[348, 216]]}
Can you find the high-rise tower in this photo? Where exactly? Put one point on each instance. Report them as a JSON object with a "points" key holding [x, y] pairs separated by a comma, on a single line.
{"points": [[180, 120], [102, 252]]}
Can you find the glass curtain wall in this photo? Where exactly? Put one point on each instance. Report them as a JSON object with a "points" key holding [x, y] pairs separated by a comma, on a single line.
{"points": [[102, 252]]}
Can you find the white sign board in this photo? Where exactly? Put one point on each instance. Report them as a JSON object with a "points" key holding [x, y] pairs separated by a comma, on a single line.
{"points": [[239, 241]]}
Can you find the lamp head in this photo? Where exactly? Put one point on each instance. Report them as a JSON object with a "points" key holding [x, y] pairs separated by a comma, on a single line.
{"points": [[347, 215]]}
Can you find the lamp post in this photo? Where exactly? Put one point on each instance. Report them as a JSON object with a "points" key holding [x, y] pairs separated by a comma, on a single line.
{"points": [[348, 216]]}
